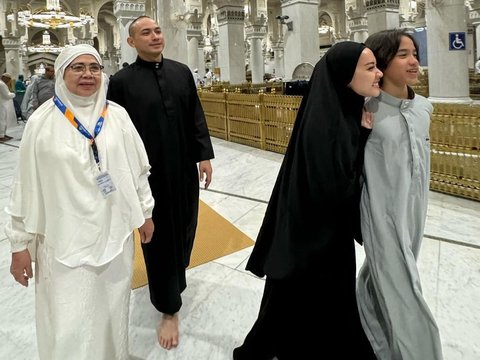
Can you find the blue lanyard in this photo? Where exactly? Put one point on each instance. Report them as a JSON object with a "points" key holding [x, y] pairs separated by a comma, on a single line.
{"points": [[78, 125]]}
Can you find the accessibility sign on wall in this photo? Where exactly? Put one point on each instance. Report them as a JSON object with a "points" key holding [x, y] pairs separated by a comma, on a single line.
{"points": [[456, 41]]}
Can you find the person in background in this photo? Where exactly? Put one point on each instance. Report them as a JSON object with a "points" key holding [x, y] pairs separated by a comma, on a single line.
{"points": [[80, 190], [196, 78], [7, 109], [161, 98], [20, 89], [477, 66], [27, 106], [208, 77], [307, 237], [43, 88], [394, 200]]}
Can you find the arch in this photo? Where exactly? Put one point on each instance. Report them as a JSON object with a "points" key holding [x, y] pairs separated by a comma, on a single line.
{"points": [[302, 71], [326, 30], [37, 37]]}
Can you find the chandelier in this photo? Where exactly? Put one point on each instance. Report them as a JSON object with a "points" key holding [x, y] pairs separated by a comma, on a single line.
{"points": [[51, 17]]}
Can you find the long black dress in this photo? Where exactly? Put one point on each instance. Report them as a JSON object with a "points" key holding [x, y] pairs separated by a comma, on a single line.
{"points": [[306, 243], [161, 98]]}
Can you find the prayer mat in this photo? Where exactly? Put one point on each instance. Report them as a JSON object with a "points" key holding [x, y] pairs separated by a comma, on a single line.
{"points": [[215, 237]]}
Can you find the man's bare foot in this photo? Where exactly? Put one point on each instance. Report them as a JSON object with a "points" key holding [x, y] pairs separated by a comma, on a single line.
{"points": [[168, 333]]}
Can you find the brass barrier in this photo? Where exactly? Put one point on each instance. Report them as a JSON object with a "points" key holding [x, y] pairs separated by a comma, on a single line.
{"points": [[245, 122], [455, 150], [474, 81], [266, 122], [215, 107], [245, 88], [279, 117]]}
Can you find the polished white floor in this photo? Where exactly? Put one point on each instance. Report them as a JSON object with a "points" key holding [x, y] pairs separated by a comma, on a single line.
{"points": [[222, 299]]}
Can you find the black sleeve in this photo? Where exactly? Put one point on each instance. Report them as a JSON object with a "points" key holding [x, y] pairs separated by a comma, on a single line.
{"points": [[115, 92]]}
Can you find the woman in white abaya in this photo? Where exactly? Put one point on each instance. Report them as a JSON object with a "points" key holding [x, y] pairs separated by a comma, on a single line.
{"points": [[77, 201]]}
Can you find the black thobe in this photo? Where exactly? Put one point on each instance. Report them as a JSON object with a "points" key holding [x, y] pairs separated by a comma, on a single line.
{"points": [[305, 246], [162, 101]]}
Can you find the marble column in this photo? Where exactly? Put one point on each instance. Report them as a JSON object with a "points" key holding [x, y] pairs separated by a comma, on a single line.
{"points": [[408, 13], [214, 54], [126, 12], [24, 63], [256, 34], [275, 35], [192, 47], [201, 59], [12, 62], [194, 37], [382, 14], [70, 37], [300, 34], [108, 41], [84, 34], [90, 29], [357, 22], [278, 59], [474, 16], [339, 20], [447, 69], [407, 23], [3, 17], [23, 53], [173, 19], [477, 39], [231, 50]]}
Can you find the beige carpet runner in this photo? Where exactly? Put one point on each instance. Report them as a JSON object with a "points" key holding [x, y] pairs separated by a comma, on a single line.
{"points": [[216, 237]]}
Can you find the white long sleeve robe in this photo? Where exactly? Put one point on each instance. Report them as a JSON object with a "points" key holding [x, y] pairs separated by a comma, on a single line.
{"points": [[56, 196]]}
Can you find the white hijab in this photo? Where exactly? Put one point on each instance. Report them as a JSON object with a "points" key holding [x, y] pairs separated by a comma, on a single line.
{"points": [[87, 109]]}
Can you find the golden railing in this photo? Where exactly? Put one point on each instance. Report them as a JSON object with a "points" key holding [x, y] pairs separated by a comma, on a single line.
{"points": [[263, 121], [246, 88], [473, 78], [266, 121], [455, 150]]}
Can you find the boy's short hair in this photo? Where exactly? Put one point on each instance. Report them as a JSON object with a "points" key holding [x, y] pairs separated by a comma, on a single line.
{"points": [[385, 44]]}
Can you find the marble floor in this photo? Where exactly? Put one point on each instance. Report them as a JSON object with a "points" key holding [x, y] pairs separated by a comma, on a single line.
{"points": [[222, 299]]}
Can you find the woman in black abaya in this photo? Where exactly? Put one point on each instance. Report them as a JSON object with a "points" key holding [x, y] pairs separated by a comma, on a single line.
{"points": [[306, 243]]}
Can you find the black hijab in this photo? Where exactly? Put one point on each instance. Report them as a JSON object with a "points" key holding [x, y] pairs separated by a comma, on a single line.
{"points": [[316, 193]]}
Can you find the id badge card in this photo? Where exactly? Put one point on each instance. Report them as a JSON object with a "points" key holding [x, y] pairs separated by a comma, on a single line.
{"points": [[105, 183]]}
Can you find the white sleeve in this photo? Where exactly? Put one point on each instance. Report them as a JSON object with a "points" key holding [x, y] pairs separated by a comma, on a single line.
{"points": [[140, 167], [145, 195], [16, 234], [5, 92], [144, 192]]}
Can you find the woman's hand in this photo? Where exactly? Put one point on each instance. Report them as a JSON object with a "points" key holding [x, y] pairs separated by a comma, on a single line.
{"points": [[367, 119], [21, 267], [146, 231]]}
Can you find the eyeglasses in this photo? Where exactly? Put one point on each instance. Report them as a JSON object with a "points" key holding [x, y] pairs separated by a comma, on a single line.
{"points": [[80, 68]]}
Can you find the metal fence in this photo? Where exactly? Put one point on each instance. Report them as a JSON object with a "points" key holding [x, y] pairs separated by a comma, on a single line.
{"points": [[266, 121]]}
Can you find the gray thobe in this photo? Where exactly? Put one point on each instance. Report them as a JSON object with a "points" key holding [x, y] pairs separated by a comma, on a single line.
{"points": [[394, 314]]}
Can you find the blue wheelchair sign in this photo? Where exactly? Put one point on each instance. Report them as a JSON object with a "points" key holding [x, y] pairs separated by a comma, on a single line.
{"points": [[456, 41]]}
